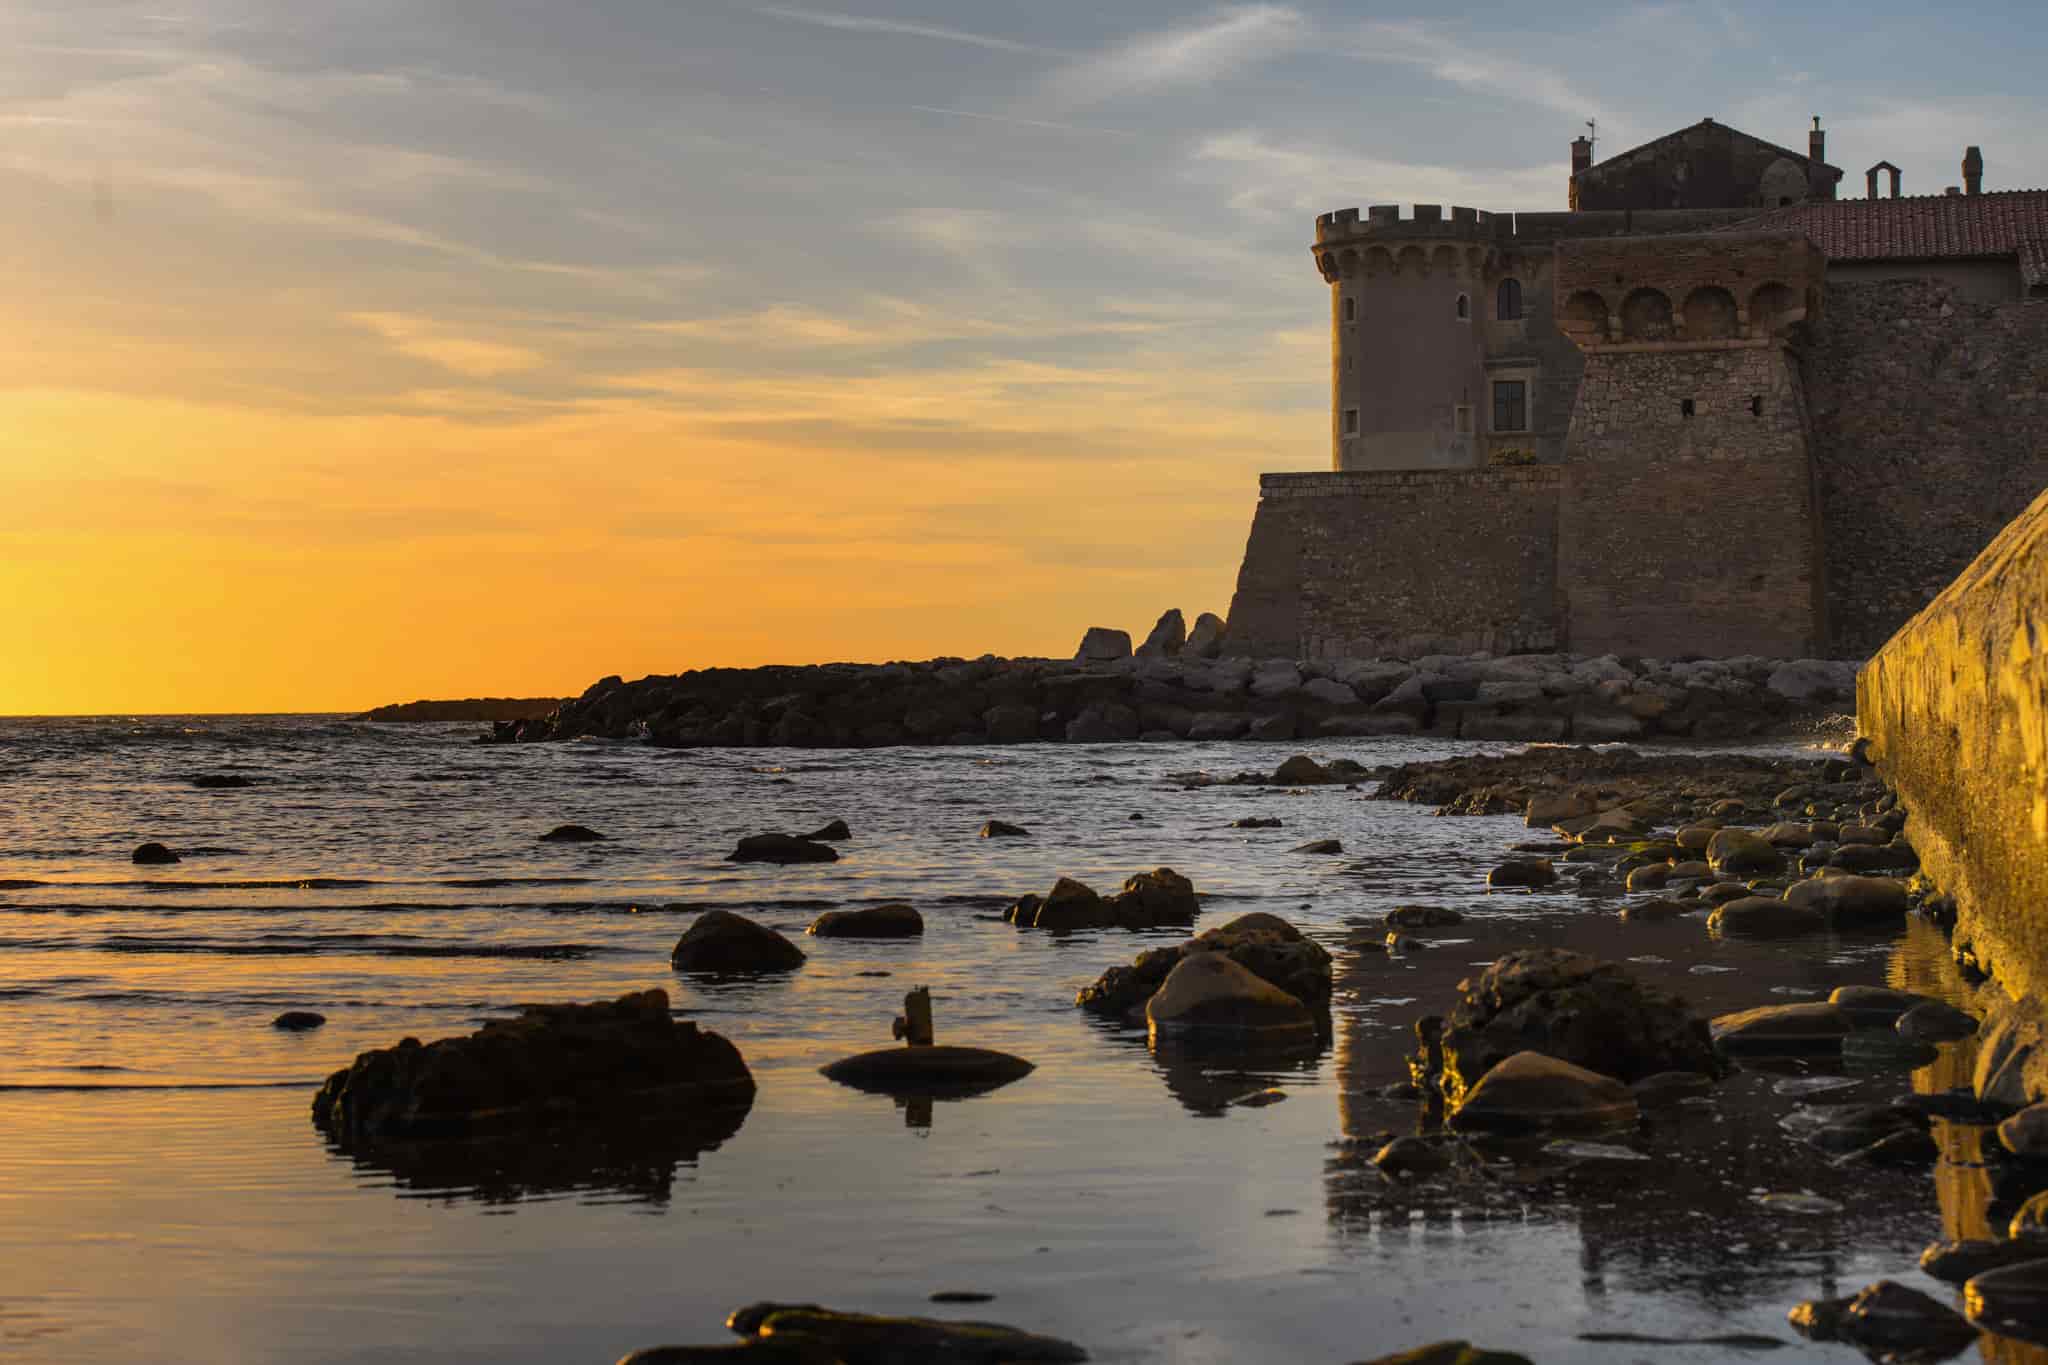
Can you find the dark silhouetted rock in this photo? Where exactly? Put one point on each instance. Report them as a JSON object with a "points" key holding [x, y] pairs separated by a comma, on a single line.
{"points": [[1955, 1262], [1070, 905], [861, 1339], [1523, 872], [1264, 944], [298, 1021], [221, 781], [1168, 635], [1935, 1022], [877, 921], [1449, 1353], [1741, 853], [1319, 846], [1102, 644], [832, 833], [1422, 917], [999, 829], [153, 855], [554, 1063], [571, 834], [2011, 1301], [1205, 641], [1873, 1006], [935, 1070], [722, 943], [1301, 771], [1256, 822], [781, 848]]}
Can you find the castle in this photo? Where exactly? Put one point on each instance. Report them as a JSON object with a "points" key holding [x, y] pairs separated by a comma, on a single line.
{"points": [[1710, 409]]}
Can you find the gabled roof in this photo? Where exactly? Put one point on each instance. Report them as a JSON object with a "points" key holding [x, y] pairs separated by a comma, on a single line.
{"points": [[1801, 157], [1925, 227]]}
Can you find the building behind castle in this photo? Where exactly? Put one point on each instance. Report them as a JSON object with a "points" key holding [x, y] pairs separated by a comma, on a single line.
{"points": [[1712, 408]]}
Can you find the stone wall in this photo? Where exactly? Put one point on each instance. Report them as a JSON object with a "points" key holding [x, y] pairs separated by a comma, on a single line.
{"points": [[1399, 564], [1930, 426], [1687, 525], [1956, 709]]}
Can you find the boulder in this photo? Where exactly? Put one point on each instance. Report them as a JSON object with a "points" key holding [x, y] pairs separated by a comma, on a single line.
{"points": [[1256, 822], [1851, 901], [1276, 727], [1205, 641], [1214, 725], [1155, 899], [1530, 1091], [833, 833], [1808, 1027], [571, 834], [2011, 1301], [1169, 635], [1873, 1006], [1650, 877], [1011, 723], [1069, 905], [1935, 1022], [1955, 1262], [2025, 1134], [721, 943], [1656, 911], [1543, 811], [876, 921], [866, 1339], [1329, 692], [1764, 917], [1275, 678], [1422, 917], [1301, 771], [553, 1063], [298, 1021], [1326, 846], [1573, 1008], [1739, 853], [1102, 645], [1207, 997], [1805, 680], [1523, 872], [1002, 829], [781, 848], [153, 855]]}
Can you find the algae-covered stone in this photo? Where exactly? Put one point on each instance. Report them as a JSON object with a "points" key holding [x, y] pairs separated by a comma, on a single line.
{"points": [[1530, 1091], [1209, 997]]}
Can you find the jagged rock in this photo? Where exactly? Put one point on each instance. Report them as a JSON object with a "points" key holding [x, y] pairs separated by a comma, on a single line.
{"points": [[1205, 641], [1886, 1318], [832, 833], [1169, 635], [865, 1339], [1102, 644], [571, 834], [722, 943], [878, 921], [1301, 771], [153, 855], [1208, 997], [1532, 1091], [1808, 1027], [553, 1063], [1576, 1009], [1002, 829], [781, 848], [298, 1021]]}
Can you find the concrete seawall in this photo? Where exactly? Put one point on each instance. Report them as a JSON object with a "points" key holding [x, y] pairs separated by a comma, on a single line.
{"points": [[1956, 709]]}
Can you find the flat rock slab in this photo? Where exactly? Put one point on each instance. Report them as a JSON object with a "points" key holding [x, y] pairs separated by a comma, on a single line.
{"points": [[937, 1070], [1813, 1027]]}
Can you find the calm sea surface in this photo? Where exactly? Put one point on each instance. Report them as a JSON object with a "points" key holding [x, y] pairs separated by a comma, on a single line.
{"points": [[164, 1196]]}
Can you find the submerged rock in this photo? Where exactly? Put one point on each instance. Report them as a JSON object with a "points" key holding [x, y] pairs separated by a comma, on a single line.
{"points": [[1422, 917], [1531, 1091], [572, 834], [221, 781], [1319, 846], [1573, 1008], [153, 855], [625, 1058], [1873, 1006], [781, 848], [1256, 822], [875, 921], [1002, 829], [723, 943], [1207, 996], [865, 1339]]}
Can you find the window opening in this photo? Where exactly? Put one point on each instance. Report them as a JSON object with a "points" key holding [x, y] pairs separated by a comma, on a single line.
{"points": [[1464, 308], [1351, 421], [1351, 310], [1511, 405], [1685, 407], [1756, 405], [1464, 419], [1508, 300]]}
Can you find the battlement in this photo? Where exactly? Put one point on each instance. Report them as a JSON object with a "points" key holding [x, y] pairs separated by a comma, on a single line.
{"points": [[1384, 221]]}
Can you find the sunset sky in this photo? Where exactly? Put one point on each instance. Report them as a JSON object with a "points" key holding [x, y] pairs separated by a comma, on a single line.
{"points": [[357, 352]]}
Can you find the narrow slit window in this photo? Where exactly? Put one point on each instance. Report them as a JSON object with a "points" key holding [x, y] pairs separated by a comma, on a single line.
{"points": [[1351, 310], [1464, 308], [1756, 405], [1351, 421], [1464, 419], [1685, 407]]}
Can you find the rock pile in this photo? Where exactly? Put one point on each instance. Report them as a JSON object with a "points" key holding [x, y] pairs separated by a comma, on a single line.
{"points": [[1161, 898]]}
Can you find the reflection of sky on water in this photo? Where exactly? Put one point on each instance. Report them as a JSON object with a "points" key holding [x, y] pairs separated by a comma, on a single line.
{"points": [[1113, 1196]]}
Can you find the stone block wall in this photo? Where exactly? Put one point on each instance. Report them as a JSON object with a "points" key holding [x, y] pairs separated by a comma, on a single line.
{"points": [[1399, 564], [1687, 525], [1930, 431]]}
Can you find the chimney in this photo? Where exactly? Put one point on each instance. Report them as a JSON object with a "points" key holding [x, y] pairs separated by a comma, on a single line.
{"points": [[1582, 154], [1893, 172], [1973, 171], [1870, 183], [1816, 142]]}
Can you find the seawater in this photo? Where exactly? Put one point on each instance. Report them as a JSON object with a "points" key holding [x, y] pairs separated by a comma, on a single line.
{"points": [[164, 1196]]}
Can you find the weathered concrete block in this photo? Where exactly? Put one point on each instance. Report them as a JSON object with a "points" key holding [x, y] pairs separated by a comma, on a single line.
{"points": [[1956, 709]]}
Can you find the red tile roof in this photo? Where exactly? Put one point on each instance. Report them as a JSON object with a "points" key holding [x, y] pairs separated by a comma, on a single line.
{"points": [[1920, 228]]}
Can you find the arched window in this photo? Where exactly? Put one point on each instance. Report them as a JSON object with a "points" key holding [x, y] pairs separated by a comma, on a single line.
{"points": [[1507, 300], [1464, 308]]}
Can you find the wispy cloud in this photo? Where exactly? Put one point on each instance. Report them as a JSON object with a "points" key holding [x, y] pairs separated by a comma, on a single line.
{"points": [[1022, 122], [423, 339], [860, 23], [1224, 41], [1458, 61], [1286, 184]]}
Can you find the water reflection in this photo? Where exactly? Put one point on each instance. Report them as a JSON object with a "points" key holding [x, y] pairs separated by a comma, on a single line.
{"points": [[630, 1160]]}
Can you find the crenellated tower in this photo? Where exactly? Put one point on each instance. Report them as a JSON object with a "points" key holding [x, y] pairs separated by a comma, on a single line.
{"points": [[1407, 347]]}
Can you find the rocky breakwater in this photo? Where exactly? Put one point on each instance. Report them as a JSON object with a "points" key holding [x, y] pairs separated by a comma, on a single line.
{"points": [[1111, 694]]}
